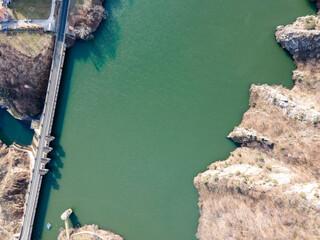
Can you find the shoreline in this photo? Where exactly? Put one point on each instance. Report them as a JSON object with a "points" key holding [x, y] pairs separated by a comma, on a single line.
{"points": [[271, 179]]}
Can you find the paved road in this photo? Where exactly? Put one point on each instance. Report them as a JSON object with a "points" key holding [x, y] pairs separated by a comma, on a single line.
{"points": [[45, 124], [48, 24]]}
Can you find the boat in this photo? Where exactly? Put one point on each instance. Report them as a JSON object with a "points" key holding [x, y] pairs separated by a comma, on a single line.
{"points": [[48, 226]]}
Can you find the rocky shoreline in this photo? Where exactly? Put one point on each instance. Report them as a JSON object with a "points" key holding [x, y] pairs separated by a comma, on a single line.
{"points": [[269, 187]]}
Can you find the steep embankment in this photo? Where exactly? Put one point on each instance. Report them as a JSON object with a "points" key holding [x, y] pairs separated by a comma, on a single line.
{"points": [[269, 187], [89, 232], [14, 180], [24, 66]]}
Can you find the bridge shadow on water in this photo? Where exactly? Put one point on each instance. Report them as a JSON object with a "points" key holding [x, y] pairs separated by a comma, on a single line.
{"points": [[51, 179], [99, 50], [103, 47]]}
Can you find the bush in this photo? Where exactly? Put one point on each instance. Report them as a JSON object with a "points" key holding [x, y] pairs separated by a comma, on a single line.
{"points": [[275, 182], [310, 25], [268, 167], [216, 177], [303, 195]]}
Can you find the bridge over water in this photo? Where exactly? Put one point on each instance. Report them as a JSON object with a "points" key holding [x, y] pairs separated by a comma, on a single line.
{"points": [[42, 136]]}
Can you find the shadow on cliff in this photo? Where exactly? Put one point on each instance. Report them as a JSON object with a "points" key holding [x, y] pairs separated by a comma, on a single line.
{"points": [[51, 179], [103, 47]]}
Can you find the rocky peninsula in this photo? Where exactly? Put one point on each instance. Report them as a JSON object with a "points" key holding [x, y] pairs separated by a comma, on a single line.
{"points": [[269, 186], [85, 18]]}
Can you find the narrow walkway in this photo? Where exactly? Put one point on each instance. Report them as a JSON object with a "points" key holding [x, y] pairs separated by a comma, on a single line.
{"points": [[87, 232]]}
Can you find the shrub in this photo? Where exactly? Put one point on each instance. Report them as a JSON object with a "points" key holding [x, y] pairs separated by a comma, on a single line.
{"points": [[303, 195], [206, 179], [275, 182], [216, 177], [268, 167], [310, 25], [238, 173]]}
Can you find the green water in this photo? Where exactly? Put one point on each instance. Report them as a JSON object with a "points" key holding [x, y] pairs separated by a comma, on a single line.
{"points": [[12, 130], [147, 105]]}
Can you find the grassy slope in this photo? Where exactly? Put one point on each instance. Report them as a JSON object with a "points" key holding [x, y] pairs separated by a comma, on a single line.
{"points": [[31, 9], [30, 44]]}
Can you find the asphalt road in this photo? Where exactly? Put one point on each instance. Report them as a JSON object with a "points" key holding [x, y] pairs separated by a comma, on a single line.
{"points": [[46, 123]]}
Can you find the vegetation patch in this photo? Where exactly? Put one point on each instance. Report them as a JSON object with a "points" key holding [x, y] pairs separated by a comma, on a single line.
{"points": [[30, 9], [310, 23], [28, 43]]}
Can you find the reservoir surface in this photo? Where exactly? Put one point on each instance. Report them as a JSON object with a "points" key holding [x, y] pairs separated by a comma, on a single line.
{"points": [[147, 105]]}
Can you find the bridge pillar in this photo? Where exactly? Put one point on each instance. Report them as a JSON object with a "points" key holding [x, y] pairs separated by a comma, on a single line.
{"points": [[43, 171], [49, 138], [47, 149], [45, 160]]}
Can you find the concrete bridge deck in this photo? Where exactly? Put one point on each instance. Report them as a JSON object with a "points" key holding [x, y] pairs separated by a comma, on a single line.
{"points": [[42, 134]]}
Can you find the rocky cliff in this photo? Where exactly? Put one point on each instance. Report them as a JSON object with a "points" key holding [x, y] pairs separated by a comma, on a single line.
{"points": [[269, 187], [14, 180]]}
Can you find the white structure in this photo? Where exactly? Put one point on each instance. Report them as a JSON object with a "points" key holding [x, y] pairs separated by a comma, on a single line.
{"points": [[64, 216]]}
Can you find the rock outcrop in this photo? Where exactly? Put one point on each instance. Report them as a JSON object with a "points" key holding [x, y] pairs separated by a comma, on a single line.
{"points": [[89, 232], [14, 181], [269, 187], [85, 18]]}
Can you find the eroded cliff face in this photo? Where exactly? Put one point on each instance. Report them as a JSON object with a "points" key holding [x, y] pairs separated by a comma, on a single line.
{"points": [[89, 232], [269, 187], [14, 180]]}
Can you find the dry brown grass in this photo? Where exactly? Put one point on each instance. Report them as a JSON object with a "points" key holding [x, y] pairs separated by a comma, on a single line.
{"points": [[14, 179], [30, 9], [28, 43], [23, 79], [252, 209]]}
